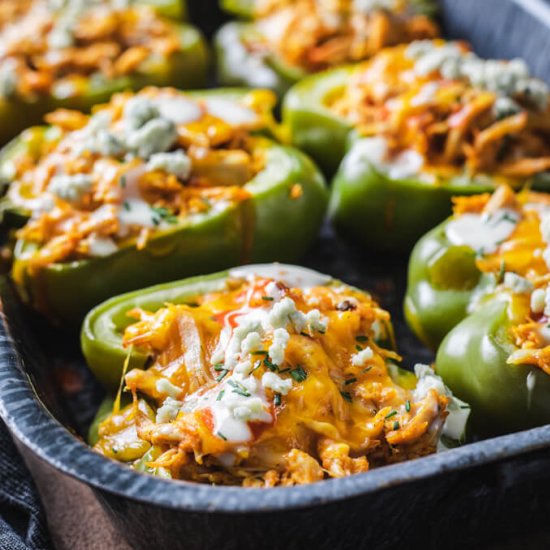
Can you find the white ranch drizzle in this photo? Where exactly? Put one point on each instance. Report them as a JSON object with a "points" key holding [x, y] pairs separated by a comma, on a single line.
{"points": [[482, 232]]}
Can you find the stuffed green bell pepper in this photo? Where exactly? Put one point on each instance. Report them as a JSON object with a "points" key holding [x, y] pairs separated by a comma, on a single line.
{"points": [[152, 187], [262, 375], [415, 126], [498, 359], [286, 41], [82, 53], [491, 241]]}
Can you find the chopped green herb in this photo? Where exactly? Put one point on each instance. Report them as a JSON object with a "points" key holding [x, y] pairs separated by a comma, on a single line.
{"points": [[389, 415], [304, 333], [396, 425], [219, 434], [238, 388], [298, 373], [277, 399], [163, 213], [350, 381], [126, 205], [267, 298], [155, 220], [500, 276], [222, 375], [271, 366], [122, 181], [362, 338], [358, 347], [220, 395], [259, 352], [408, 406], [219, 366], [367, 369], [346, 395], [284, 370], [321, 330], [257, 365], [464, 406]]}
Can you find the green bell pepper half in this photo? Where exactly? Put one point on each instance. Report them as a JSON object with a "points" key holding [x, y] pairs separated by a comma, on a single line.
{"points": [[186, 68], [311, 125], [270, 225], [472, 362], [443, 280], [237, 66]]}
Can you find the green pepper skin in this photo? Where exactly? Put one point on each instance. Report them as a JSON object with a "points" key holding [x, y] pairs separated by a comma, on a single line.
{"points": [[269, 226], [236, 66], [240, 8], [311, 125], [472, 362], [389, 214], [173, 9], [185, 69], [442, 281]]}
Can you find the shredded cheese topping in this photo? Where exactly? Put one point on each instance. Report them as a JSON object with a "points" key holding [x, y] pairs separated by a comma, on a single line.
{"points": [[462, 116], [262, 385], [313, 35]]}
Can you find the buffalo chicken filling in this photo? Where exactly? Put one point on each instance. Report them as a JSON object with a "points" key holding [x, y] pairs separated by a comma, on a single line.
{"points": [[435, 110], [264, 385], [313, 35], [59, 46], [137, 166]]}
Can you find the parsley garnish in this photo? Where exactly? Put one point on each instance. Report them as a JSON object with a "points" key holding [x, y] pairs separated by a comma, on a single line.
{"points": [[162, 213], [219, 367], [238, 388], [346, 395], [267, 298], [358, 347], [277, 399], [122, 181], [220, 395], [408, 406], [389, 415], [304, 333], [350, 381], [126, 205], [259, 352], [298, 373], [219, 434], [271, 366], [222, 375], [367, 369], [362, 338], [396, 425]]}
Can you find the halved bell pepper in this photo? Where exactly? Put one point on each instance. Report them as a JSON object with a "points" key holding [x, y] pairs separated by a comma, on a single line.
{"points": [[448, 280], [104, 329], [185, 69], [273, 224], [473, 362], [400, 159]]}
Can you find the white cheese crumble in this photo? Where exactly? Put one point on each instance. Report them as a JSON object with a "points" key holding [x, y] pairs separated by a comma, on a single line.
{"points": [[360, 358], [230, 111], [168, 411], [156, 136], [278, 347], [164, 386], [368, 6], [252, 342], [176, 163], [538, 300], [70, 188], [517, 284], [276, 383]]}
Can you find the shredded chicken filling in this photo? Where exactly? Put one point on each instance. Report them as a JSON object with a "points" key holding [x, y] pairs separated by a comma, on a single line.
{"points": [[318, 34], [464, 116], [265, 385]]}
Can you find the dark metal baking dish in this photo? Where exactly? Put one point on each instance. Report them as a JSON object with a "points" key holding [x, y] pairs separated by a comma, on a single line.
{"points": [[485, 492]]}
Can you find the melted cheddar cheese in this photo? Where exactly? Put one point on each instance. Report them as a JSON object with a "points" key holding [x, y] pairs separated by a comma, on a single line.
{"points": [[313, 35], [456, 114], [137, 166], [262, 384]]}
